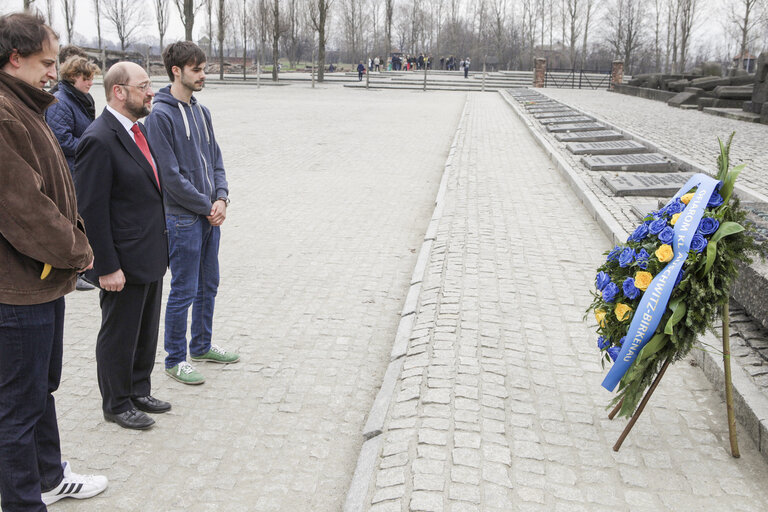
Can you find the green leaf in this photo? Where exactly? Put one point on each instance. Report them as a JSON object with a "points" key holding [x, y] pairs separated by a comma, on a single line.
{"points": [[726, 229], [653, 346], [730, 182], [678, 308]]}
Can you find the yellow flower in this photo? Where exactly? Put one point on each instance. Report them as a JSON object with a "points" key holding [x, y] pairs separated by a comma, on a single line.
{"points": [[622, 311], [674, 218], [687, 198], [643, 280], [600, 317], [665, 253]]}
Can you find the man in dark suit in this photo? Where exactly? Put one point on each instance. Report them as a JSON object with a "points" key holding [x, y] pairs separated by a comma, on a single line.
{"points": [[120, 197]]}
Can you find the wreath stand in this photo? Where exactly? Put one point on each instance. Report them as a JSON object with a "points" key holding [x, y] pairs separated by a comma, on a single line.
{"points": [[728, 393]]}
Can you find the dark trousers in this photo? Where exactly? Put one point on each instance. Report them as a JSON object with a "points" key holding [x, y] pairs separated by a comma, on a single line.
{"points": [[127, 343], [31, 340]]}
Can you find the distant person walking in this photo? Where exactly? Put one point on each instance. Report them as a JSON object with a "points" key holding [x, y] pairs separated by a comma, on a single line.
{"points": [[360, 71], [466, 67]]}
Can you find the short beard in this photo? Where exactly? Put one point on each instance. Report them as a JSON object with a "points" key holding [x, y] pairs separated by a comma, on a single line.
{"points": [[139, 111]]}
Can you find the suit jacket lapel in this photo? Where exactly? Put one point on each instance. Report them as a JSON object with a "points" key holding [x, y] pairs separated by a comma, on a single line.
{"points": [[131, 147]]}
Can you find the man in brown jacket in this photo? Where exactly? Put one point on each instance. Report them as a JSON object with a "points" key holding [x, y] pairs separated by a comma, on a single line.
{"points": [[39, 225]]}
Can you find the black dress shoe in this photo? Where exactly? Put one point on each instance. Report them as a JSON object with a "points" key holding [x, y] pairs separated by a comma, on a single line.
{"points": [[131, 418], [150, 404]]}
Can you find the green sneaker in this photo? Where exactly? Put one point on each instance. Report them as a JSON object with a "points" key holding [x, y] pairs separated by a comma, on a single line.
{"points": [[185, 373], [217, 355]]}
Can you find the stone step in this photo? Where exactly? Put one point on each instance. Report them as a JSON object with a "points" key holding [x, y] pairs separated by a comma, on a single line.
{"points": [[576, 127], [613, 147], [636, 162], [597, 136]]}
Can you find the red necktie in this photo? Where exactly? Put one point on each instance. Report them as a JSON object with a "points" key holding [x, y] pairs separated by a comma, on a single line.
{"points": [[142, 143]]}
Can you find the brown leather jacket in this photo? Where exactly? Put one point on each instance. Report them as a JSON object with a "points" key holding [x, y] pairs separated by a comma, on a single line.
{"points": [[38, 209]]}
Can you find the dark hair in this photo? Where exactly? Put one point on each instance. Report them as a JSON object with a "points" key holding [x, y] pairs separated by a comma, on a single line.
{"points": [[182, 53], [23, 32], [69, 51]]}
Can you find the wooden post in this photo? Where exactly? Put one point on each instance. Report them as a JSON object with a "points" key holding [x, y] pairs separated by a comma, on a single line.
{"points": [[616, 409], [728, 384], [640, 408]]}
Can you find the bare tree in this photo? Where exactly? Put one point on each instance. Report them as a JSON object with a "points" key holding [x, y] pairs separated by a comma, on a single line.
{"points": [[68, 8], [573, 14], [162, 17], [291, 32], [588, 13], [28, 4], [625, 20], [126, 16], [222, 20], [187, 10], [688, 13], [275, 39], [97, 11], [388, 12], [746, 16], [49, 12], [319, 13]]}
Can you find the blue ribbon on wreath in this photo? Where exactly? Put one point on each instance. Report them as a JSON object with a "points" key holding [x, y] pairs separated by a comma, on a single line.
{"points": [[655, 299]]}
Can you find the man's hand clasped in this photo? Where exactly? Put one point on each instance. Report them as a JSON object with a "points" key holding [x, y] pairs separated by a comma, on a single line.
{"points": [[218, 213]]}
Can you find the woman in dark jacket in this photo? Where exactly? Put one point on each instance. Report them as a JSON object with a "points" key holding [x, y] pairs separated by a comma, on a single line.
{"points": [[71, 115], [75, 110]]}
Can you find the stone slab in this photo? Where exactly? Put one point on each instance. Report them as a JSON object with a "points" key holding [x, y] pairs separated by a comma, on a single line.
{"points": [[596, 136], [576, 127], [640, 184], [541, 110], [641, 162], [641, 208], [611, 147], [561, 113], [563, 120]]}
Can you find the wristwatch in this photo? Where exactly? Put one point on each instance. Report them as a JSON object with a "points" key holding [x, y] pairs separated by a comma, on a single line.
{"points": [[225, 199]]}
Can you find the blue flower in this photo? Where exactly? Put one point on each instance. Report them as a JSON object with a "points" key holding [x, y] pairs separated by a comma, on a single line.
{"points": [[621, 341], [602, 342], [610, 291], [674, 207], [667, 235], [715, 200], [613, 352], [641, 258], [614, 253], [627, 257], [629, 288], [602, 280], [698, 243], [657, 226], [708, 225], [640, 233]]}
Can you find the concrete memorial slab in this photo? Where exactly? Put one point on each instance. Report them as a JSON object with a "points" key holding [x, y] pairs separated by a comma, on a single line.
{"points": [[576, 127], [597, 136], [544, 110], [639, 184], [561, 113], [611, 147], [641, 208], [567, 119], [642, 162]]}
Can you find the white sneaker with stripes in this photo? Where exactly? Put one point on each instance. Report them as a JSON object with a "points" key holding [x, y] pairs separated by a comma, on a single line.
{"points": [[75, 486]]}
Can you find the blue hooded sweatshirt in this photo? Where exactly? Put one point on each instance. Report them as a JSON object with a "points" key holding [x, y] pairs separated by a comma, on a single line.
{"points": [[188, 157]]}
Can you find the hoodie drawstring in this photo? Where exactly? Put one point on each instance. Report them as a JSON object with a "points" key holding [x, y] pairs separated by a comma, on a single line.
{"points": [[184, 117]]}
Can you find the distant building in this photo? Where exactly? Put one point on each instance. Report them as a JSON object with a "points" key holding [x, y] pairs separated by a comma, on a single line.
{"points": [[750, 62]]}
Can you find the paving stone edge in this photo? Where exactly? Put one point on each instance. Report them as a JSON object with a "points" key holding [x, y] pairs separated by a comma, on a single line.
{"points": [[750, 404], [366, 462]]}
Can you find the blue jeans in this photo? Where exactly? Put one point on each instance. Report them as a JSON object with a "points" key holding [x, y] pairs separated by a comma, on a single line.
{"points": [[194, 257], [31, 340]]}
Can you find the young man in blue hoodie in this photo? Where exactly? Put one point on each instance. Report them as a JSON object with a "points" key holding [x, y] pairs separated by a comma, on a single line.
{"points": [[196, 197]]}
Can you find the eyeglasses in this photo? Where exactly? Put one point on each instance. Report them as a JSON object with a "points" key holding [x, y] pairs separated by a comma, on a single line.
{"points": [[142, 87]]}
